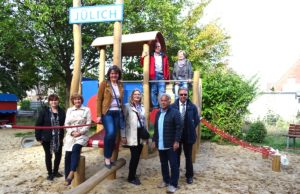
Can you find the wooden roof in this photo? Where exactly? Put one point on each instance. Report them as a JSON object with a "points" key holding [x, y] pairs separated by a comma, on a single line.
{"points": [[132, 44]]}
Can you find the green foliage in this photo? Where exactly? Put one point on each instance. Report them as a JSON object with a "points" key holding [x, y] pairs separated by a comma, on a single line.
{"points": [[23, 134], [257, 132], [25, 105], [225, 99]]}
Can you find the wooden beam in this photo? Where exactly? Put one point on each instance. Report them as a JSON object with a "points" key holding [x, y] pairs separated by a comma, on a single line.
{"points": [[90, 183], [117, 55]]}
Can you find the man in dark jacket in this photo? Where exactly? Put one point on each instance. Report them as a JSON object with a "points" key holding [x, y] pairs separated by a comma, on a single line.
{"points": [[190, 119], [166, 137]]}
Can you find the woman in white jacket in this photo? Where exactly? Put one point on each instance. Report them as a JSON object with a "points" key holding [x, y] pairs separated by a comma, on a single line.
{"points": [[134, 114], [76, 137]]}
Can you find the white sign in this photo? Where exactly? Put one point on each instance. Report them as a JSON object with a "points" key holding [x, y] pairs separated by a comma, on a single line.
{"points": [[102, 13]]}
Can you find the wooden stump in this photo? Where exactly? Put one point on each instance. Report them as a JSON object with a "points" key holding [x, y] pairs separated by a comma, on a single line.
{"points": [[145, 152], [79, 175], [276, 163]]}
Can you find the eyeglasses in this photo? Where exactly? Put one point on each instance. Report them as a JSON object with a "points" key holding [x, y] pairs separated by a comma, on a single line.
{"points": [[182, 94]]}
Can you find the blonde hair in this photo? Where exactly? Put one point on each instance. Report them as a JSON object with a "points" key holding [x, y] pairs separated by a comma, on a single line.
{"points": [[76, 96], [131, 96]]}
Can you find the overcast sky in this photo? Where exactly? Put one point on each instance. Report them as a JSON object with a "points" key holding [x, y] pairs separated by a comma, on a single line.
{"points": [[265, 35]]}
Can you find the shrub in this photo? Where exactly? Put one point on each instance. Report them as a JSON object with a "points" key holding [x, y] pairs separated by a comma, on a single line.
{"points": [[256, 133], [25, 105]]}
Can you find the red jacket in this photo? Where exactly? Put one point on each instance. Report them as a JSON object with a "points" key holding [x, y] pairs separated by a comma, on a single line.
{"points": [[152, 67]]}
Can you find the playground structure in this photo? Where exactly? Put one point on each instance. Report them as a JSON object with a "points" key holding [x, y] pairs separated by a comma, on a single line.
{"points": [[132, 45]]}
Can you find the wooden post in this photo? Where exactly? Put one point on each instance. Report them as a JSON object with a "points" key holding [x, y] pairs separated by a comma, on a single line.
{"points": [[146, 88], [197, 103], [276, 163], [200, 113], [77, 55], [79, 175], [117, 55], [90, 183], [100, 79]]}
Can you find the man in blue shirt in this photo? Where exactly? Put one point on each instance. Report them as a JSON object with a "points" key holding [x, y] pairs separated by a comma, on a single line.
{"points": [[166, 137]]}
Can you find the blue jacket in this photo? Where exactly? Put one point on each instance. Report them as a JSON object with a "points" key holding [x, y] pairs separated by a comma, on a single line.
{"points": [[191, 121], [172, 128]]}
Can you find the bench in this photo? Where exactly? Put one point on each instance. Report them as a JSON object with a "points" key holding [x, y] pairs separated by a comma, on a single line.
{"points": [[294, 132], [25, 113]]}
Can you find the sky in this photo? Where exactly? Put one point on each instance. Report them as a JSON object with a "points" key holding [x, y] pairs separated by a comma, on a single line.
{"points": [[265, 35]]}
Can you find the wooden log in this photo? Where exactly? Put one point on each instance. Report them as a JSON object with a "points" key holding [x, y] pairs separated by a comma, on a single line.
{"points": [[90, 183], [146, 86], [79, 175], [276, 163], [117, 55], [145, 152], [197, 103], [77, 55]]}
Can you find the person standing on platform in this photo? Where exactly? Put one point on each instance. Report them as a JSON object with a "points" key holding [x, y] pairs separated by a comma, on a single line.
{"points": [[190, 119], [109, 110], [158, 70], [182, 70]]}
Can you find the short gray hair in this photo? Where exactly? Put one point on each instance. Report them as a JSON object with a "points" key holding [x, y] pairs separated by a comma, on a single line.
{"points": [[164, 94]]}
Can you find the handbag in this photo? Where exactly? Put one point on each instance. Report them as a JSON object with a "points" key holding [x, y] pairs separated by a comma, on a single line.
{"points": [[142, 131], [121, 115]]}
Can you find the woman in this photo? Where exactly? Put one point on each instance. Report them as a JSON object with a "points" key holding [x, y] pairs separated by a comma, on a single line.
{"points": [[182, 70], [76, 137], [109, 103], [51, 139], [134, 113]]}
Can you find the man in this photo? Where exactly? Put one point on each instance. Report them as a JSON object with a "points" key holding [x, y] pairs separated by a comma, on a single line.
{"points": [[190, 119], [166, 137], [158, 70]]}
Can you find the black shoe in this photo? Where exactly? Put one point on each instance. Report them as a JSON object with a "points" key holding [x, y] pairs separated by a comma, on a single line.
{"points": [[189, 180], [57, 175], [135, 181], [107, 165], [50, 177]]}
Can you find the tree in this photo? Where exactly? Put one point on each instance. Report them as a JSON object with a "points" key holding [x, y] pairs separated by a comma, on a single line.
{"points": [[17, 69], [225, 99]]}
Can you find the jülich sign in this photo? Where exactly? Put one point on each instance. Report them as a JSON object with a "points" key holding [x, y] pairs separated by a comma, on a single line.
{"points": [[102, 13]]}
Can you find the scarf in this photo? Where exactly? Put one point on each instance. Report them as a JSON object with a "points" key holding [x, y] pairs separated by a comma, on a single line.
{"points": [[55, 143]]}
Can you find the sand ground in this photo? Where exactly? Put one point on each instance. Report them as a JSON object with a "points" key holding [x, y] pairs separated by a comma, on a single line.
{"points": [[218, 169]]}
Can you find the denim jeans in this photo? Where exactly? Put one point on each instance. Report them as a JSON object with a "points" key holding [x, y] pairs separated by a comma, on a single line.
{"points": [[157, 89], [167, 157], [111, 122], [72, 159], [177, 86]]}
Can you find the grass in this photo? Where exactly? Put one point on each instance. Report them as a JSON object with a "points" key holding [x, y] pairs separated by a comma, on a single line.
{"points": [[22, 134]]}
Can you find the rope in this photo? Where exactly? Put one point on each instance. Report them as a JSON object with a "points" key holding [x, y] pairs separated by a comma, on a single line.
{"points": [[263, 150], [43, 127]]}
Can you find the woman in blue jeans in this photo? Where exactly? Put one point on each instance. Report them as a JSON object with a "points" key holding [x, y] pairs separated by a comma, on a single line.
{"points": [[76, 137], [109, 110]]}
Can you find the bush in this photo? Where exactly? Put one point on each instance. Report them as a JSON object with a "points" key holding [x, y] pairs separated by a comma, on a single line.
{"points": [[256, 133], [25, 105]]}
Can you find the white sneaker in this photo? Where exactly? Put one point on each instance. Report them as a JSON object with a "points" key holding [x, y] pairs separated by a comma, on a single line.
{"points": [[162, 184], [171, 189]]}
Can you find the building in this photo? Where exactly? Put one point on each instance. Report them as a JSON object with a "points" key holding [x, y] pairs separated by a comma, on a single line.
{"points": [[8, 108]]}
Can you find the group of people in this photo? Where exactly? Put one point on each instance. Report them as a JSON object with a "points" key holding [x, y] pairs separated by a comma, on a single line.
{"points": [[174, 129]]}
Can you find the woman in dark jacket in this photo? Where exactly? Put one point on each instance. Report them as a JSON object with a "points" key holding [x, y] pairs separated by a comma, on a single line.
{"points": [[51, 139]]}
